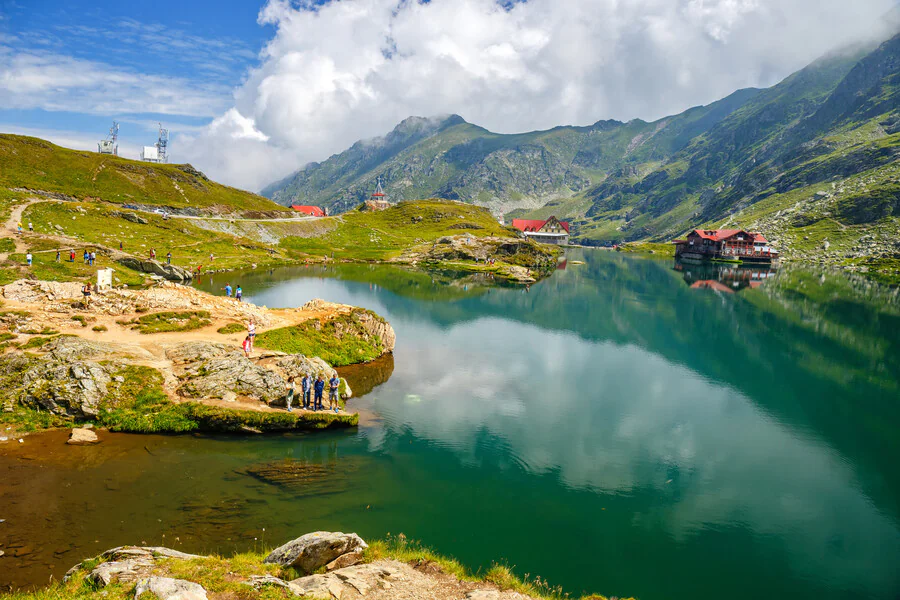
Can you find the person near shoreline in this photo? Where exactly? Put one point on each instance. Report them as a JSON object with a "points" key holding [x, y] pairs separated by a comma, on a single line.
{"points": [[290, 392], [247, 346], [86, 293], [251, 332], [333, 384], [306, 389], [238, 293], [227, 289], [28, 258], [319, 389]]}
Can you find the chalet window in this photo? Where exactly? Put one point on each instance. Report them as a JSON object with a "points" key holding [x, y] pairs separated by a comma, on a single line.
{"points": [[740, 238]]}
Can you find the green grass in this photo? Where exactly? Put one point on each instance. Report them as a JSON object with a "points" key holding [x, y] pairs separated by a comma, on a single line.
{"points": [[231, 328], [335, 341], [162, 322], [35, 164], [35, 342], [660, 250]]}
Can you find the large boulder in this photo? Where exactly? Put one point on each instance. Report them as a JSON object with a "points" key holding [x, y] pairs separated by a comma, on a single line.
{"points": [[82, 437], [210, 369], [166, 588], [66, 388], [313, 551], [154, 267], [26, 290]]}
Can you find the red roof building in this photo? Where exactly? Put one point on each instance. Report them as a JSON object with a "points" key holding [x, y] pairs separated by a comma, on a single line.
{"points": [[726, 244], [551, 231], [313, 211], [531, 225]]}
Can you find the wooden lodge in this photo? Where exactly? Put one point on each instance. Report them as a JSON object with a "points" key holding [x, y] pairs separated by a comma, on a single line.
{"points": [[551, 231], [726, 245]]}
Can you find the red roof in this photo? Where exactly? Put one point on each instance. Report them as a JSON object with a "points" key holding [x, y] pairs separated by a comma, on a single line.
{"points": [[535, 224], [313, 211], [717, 235]]}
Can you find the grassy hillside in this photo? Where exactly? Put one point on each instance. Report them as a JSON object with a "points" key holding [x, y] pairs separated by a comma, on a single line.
{"points": [[35, 164], [363, 235]]}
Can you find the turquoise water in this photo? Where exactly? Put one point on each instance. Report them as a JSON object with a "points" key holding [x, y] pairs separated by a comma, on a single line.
{"points": [[612, 429]]}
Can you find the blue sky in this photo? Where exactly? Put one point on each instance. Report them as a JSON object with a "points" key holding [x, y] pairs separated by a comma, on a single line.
{"points": [[200, 47], [252, 90]]}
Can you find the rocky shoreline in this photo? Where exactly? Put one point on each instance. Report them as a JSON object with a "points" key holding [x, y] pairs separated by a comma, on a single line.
{"points": [[321, 565], [116, 363]]}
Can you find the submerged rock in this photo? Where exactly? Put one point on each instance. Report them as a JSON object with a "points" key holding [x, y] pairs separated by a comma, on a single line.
{"points": [[82, 437], [315, 550]]}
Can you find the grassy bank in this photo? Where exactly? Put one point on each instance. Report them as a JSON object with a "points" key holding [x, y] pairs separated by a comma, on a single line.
{"points": [[227, 577], [648, 248], [339, 341]]}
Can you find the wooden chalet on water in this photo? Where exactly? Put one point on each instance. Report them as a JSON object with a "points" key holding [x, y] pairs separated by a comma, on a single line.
{"points": [[726, 245], [551, 231]]}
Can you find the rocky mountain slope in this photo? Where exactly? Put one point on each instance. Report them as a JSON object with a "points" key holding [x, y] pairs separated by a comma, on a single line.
{"points": [[819, 150]]}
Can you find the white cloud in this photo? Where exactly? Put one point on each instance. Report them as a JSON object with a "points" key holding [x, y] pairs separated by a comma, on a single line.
{"points": [[55, 82], [352, 69]]}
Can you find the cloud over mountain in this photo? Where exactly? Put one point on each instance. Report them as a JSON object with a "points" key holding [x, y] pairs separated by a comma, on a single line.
{"points": [[350, 69]]}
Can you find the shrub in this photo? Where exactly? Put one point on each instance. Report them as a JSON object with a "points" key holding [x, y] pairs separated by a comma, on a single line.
{"points": [[172, 321], [231, 328], [99, 328]]}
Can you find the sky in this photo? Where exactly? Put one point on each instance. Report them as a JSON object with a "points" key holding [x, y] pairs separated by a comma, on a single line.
{"points": [[252, 91]]}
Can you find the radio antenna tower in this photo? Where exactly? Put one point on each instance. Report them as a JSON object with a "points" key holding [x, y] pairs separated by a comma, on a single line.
{"points": [[162, 143], [111, 144]]}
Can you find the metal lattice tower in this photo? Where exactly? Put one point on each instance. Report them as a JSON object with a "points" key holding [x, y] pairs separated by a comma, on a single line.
{"points": [[111, 144], [162, 144]]}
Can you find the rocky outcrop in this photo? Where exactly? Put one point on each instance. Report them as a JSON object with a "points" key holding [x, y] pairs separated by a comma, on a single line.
{"points": [[209, 370], [26, 290], [520, 255], [361, 323], [166, 588], [313, 551], [73, 388], [154, 267], [129, 216], [127, 564]]}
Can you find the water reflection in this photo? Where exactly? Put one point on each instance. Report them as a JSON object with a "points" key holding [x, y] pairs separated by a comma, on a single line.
{"points": [[724, 278]]}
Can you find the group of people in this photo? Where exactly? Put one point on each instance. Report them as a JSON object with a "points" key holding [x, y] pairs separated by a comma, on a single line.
{"points": [[313, 390], [238, 292]]}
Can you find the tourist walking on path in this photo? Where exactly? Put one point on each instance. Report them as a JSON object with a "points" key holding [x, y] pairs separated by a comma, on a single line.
{"points": [[306, 389], [57, 255], [86, 293], [238, 293], [333, 384], [86, 256], [251, 332], [30, 226], [247, 347], [168, 258], [93, 257], [19, 228], [319, 389], [72, 255], [227, 289], [28, 258], [290, 392]]}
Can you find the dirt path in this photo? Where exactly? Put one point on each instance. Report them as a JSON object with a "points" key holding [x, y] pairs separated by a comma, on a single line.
{"points": [[10, 228]]}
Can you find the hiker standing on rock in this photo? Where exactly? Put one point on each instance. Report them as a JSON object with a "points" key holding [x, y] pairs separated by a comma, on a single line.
{"points": [[238, 293], [306, 388], [319, 389], [247, 347], [290, 392], [251, 332], [333, 384]]}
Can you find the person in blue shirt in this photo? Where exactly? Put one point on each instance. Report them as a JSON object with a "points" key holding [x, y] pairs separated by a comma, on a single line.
{"points": [[333, 384], [319, 388], [306, 388], [227, 289]]}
